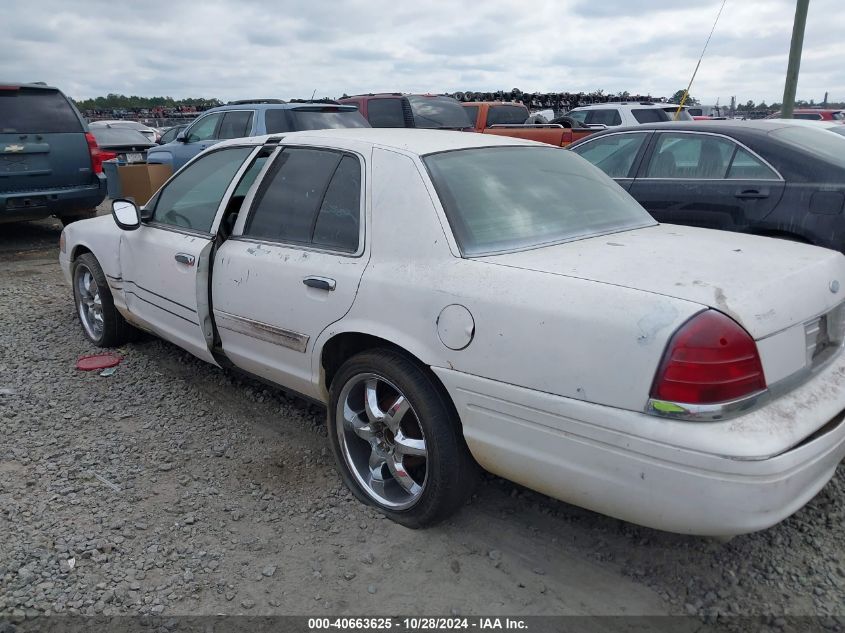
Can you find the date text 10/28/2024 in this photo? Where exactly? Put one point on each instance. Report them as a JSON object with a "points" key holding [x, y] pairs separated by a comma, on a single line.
{"points": [[416, 624]]}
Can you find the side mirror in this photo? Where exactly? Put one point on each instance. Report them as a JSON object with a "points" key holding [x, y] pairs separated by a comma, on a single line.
{"points": [[126, 214], [182, 137]]}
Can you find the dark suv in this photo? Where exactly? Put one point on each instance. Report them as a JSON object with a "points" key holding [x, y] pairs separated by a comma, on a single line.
{"points": [[49, 163], [394, 109]]}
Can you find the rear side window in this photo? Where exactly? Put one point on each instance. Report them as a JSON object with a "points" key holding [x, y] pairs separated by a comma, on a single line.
{"points": [[235, 125], [809, 116], [746, 166], [326, 119], [700, 156], [506, 115], [385, 113], [338, 220], [649, 115], [36, 111], [309, 196]]}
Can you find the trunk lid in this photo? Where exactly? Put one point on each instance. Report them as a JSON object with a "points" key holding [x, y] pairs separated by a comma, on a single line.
{"points": [[42, 141], [765, 284]]}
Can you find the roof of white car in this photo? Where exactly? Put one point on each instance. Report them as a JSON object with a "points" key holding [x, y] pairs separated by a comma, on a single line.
{"points": [[627, 105], [411, 140]]}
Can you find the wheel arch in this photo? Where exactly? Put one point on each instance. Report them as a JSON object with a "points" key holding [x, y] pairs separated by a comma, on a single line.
{"points": [[341, 346]]}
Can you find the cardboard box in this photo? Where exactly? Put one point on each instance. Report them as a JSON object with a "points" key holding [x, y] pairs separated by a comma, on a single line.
{"points": [[140, 182]]}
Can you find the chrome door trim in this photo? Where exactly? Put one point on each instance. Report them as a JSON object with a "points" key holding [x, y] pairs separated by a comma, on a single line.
{"points": [[261, 331]]}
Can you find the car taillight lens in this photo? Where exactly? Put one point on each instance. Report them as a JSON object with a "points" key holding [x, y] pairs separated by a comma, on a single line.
{"points": [[106, 155], [710, 359], [96, 154]]}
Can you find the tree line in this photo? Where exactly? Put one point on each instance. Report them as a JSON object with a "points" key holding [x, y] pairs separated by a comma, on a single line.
{"points": [[122, 102]]}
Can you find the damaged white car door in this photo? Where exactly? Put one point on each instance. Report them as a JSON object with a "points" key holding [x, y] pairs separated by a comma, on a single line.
{"points": [[293, 263], [164, 263]]}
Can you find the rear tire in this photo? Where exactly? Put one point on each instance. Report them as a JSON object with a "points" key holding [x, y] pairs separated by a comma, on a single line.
{"points": [[102, 324], [396, 439]]}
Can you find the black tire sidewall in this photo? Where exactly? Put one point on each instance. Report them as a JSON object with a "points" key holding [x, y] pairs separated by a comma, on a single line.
{"points": [[448, 477], [111, 318]]}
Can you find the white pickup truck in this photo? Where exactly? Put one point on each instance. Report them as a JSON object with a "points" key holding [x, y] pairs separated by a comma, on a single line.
{"points": [[459, 299]]}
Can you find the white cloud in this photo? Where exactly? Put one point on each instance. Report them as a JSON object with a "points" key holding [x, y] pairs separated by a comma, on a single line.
{"points": [[284, 48]]}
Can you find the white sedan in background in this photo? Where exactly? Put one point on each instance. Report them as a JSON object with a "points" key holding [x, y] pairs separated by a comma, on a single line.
{"points": [[458, 299]]}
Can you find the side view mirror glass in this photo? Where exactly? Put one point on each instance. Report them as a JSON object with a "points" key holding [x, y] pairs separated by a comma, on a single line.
{"points": [[126, 214]]}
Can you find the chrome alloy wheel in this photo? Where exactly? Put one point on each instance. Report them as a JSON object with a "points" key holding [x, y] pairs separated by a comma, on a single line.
{"points": [[90, 303], [382, 441]]}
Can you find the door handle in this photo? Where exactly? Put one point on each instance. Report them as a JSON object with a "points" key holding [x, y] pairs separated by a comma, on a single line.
{"points": [[185, 258], [321, 283], [752, 194]]}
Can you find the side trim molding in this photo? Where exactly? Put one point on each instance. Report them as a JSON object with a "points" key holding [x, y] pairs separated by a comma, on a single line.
{"points": [[261, 331]]}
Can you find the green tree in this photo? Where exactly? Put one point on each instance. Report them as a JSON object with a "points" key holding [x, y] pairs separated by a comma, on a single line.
{"points": [[679, 95]]}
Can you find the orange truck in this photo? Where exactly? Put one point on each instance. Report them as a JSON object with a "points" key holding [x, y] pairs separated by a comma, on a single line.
{"points": [[508, 119]]}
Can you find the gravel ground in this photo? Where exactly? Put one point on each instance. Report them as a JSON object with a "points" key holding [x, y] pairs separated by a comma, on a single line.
{"points": [[173, 487]]}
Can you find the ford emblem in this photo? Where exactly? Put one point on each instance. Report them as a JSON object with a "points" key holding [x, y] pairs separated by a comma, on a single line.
{"points": [[834, 286]]}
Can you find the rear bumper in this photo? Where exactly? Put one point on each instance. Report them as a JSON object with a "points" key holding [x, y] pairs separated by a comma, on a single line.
{"points": [[68, 201], [561, 447]]}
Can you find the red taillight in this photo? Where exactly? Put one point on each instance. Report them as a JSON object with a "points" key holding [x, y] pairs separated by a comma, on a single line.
{"points": [[710, 359], [96, 154], [107, 155]]}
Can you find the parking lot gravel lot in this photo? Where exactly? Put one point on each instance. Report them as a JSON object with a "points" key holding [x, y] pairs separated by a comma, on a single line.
{"points": [[173, 487]]}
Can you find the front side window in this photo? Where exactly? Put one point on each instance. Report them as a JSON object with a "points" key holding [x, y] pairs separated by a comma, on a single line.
{"points": [[696, 156], [235, 124], [672, 113], [613, 154], [500, 199], [191, 198], [604, 116], [579, 115], [309, 197], [385, 113], [809, 116], [506, 115], [204, 129]]}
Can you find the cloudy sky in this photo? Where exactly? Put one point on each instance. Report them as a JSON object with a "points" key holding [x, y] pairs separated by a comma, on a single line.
{"points": [[284, 48]]}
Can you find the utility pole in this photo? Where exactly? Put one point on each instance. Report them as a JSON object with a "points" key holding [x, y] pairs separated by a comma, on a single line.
{"points": [[794, 58]]}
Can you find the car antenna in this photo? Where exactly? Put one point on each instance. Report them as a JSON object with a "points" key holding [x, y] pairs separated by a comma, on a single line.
{"points": [[312, 95]]}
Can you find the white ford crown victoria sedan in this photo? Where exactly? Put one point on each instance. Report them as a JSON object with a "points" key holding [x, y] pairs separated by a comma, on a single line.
{"points": [[458, 299]]}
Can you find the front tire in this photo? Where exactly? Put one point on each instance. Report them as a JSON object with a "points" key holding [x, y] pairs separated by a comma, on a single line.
{"points": [[396, 440], [102, 324]]}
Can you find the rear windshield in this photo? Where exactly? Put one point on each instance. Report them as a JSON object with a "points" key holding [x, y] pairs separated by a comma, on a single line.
{"points": [[36, 111], [501, 199], [327, 119], [828, 147], [507, 115], [649, 115], [109, 136], [438, 112]]}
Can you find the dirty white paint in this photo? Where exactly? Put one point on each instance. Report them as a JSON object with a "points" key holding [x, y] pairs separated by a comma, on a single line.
{"points": [[548, 354]]}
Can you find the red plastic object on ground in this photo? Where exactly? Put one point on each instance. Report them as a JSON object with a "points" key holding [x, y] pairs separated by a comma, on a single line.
{"points": [[98, 361]]}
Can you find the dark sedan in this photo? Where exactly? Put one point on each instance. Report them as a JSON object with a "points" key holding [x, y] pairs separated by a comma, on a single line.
{"points": [[127, 145], [766, 177]]}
